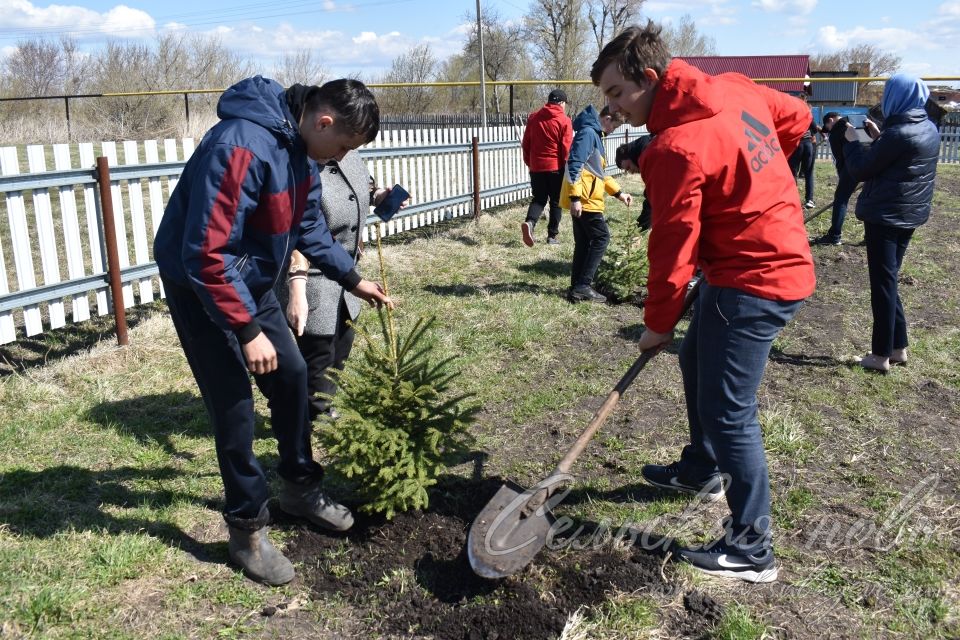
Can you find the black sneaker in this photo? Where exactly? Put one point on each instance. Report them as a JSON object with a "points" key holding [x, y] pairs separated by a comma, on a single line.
{"points": [[668, 476], [718, 559], [585, 293], [829, 240], [527, 229]]}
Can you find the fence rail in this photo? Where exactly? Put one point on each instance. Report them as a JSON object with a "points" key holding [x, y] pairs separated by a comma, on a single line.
{"points": [[949, 146], [53, 223]]}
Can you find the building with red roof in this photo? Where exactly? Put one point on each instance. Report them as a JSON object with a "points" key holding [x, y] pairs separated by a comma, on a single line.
{"points": [[792, 66]]}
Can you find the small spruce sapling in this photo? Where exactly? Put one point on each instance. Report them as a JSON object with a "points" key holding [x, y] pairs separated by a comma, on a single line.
{"points": [[623, 272], [398, 424]]}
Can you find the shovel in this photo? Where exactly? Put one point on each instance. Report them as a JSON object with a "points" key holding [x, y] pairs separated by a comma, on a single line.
{"points": [[821, 210], [513, 527]]}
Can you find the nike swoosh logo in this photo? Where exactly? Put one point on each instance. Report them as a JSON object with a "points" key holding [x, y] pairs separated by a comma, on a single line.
{"points": [[723, 562]]}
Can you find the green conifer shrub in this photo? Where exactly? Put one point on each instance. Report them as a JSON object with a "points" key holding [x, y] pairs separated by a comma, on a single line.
{"points": [[622, 275], [398, 424]]}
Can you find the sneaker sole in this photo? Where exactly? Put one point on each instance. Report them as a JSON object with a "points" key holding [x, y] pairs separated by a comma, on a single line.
{"points": [[756, 577], [527, 236], [705, 497]]}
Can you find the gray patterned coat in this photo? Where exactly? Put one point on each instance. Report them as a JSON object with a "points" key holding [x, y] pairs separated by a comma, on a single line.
{"points": [[345, 202]]}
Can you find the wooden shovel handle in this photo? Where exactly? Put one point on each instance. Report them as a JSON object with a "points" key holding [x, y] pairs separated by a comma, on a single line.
{"points": [[601, 415]]}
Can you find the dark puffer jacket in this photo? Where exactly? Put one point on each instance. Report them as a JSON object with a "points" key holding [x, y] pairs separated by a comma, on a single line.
{"points": [[898, 171]]}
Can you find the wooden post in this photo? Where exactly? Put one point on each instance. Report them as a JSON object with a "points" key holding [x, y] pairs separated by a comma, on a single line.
{"points": [[186, 107], [476, 177], [113, 256]]}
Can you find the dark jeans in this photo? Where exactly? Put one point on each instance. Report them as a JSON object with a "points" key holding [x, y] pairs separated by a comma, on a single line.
{"points": [[322, 353], [546, 186], [722, 359], [218, 365], [846, 185], [802, 160], [885, 249], [590, 237]]}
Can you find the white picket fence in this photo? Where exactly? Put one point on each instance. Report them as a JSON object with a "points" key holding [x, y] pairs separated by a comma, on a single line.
{"points": [[52, 224]]}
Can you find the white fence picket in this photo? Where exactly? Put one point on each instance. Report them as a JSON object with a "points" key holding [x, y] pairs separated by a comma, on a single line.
{"points": [[46, 235], [131, 156], [70, 223], [94, 237], [8, 330], [20, 239]]}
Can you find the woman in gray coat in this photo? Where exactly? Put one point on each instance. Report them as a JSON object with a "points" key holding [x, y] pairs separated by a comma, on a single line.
{"points": [[317, 308]]}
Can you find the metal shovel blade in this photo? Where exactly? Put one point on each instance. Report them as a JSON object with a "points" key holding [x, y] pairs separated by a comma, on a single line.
{"points": [[503, 539]]}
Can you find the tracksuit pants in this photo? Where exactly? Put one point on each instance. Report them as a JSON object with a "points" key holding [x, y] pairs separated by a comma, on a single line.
{"points": [[218, 365]]}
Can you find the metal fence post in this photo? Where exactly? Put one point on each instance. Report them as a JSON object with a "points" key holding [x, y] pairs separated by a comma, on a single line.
{"points": [[66, 105], [476, 176], [186, 106], [113, 256]]}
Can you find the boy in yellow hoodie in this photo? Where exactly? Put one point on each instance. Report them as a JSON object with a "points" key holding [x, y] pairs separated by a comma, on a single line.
{"points": [[585, 187]]}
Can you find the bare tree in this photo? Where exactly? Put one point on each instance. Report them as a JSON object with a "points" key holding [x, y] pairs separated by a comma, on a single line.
{"points": [[555, 29], [607, 18], [504, 54], [214, 65], [35, 68], [683, 39], [74, 66], [417, 65], [459, 68], [300, 66]]}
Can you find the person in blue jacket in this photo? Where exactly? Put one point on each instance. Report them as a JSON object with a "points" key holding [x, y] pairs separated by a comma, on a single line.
{"points": [[249, 196], [585, 187], [898, 170]]}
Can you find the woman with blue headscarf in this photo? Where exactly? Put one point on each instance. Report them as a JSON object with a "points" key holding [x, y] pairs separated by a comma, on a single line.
{"points": [[898, 169]]}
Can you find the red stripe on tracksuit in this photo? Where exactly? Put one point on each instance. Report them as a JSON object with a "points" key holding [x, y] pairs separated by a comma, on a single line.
{"points": [[274, 214], [222, 217]]}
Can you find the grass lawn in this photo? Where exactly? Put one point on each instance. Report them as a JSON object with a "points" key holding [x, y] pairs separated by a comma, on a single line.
{"points": [[110, 521]]}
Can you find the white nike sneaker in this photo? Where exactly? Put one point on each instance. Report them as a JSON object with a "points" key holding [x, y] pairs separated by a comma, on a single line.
{"points": [[718, 559], [670, 476]]}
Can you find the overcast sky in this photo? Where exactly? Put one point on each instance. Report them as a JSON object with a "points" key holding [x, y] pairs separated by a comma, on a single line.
{"points": [[363, 36]]}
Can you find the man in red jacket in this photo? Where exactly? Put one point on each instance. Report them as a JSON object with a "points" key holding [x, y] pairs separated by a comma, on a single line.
{"points": [[546, 144], [723, 199]]}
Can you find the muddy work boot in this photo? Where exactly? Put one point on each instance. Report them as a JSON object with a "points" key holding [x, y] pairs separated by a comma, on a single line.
{"points": [[307, 500], [251, 549]]}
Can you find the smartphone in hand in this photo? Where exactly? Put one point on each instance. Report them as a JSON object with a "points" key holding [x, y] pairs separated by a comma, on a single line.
{"points": [[389, 206], [858, 121]]}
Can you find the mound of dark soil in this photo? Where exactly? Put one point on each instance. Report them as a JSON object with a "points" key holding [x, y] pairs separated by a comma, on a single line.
{"points": [[377, 560]]}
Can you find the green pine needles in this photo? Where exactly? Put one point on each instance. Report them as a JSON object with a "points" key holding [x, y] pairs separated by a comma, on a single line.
{"points": [[623, 272], [398, 427]]}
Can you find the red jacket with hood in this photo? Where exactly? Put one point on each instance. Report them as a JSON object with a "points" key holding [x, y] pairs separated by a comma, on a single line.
{"points": [[547, 138], [722, 195]]}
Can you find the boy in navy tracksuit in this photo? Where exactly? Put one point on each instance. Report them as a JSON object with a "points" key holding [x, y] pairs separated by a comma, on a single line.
{"points": [[247, 198]]}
